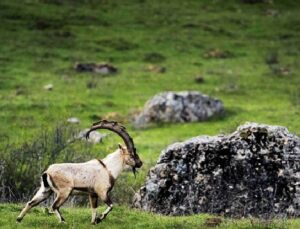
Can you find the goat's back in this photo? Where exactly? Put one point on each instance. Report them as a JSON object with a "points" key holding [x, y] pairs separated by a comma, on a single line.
{"points": [[88, 175]]}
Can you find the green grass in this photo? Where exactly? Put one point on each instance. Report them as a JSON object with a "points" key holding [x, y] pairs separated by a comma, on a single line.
{"points": [[40, 42], [124, 217]]}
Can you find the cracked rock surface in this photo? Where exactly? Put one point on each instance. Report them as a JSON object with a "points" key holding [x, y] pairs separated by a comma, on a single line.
{"points": [[255, 171], [185, 106]]}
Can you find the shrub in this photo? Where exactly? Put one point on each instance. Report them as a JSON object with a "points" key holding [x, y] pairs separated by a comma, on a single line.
{"points": [[21, 166]]}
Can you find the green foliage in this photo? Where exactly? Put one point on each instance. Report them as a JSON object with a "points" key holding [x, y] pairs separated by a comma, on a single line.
{"points": [[21, 166]]}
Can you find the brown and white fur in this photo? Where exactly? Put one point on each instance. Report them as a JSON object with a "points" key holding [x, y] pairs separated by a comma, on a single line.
{"points": [[95, 178]]}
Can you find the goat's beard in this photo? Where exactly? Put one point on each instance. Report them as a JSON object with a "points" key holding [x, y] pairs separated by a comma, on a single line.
{"points": [[134, 171]]}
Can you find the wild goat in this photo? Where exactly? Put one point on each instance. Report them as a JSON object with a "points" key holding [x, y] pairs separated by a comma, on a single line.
{"points": [[95, 178]]}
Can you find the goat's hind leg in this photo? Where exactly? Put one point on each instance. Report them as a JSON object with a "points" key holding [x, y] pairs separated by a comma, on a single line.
{"points": [[61, 197], [42, 194]]}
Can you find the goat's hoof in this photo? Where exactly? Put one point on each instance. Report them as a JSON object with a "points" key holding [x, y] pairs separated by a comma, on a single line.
{"points": [[63, 222], [19, 219], [97, 220]]}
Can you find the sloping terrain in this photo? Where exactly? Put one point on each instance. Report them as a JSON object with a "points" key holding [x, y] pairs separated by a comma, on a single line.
{"points": [[245, 54]]}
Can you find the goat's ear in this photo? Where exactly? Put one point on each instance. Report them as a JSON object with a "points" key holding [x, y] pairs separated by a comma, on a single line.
{"points": [[121, 147]]}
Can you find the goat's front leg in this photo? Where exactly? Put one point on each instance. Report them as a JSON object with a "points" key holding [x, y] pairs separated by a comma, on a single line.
{"points": [[94, 203], [109, 204]]}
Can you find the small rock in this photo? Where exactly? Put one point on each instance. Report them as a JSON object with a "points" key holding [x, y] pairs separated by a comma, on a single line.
{"points": [[156, 69], [217, 53], [103, 69], [48, 87], [280, 70], [199, 79], [271, 12], [73, 120], [91, 84], [154, 57], [272, 58], [20, 90], [94, 137]]}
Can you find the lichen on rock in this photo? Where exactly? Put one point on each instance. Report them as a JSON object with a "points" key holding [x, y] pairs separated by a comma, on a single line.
{"points": [[255, 171]]}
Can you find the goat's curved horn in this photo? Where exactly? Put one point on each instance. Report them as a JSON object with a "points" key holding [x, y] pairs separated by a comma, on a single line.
{"points": [[118, 129]]}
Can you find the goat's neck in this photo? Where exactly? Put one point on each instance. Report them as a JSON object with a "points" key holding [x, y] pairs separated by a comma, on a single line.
{"points": [[114, 163]]}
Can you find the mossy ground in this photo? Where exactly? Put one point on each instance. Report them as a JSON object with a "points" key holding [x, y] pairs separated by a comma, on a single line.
{"points": [[41, 40]]}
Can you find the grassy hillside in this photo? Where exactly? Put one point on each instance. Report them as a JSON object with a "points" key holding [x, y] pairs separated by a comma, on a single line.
{"points": [[41, 40], [40, 43]]}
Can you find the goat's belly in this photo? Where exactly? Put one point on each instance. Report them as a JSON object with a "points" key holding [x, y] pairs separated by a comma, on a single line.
{"points": [[82, 191]]}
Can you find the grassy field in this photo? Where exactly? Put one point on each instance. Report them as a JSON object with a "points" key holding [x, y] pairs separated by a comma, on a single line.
{"points": [[41, 40], [123, 217]]}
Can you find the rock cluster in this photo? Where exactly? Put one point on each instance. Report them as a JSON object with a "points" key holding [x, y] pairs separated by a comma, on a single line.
{"points": [[186, 106], [254, 171]]}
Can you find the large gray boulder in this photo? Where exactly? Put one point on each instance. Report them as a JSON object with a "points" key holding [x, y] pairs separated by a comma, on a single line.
{"points": [[254, 171], [185, 106]]}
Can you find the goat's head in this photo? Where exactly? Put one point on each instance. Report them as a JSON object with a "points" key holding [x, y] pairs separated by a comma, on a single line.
{"points": [[131, 157]]}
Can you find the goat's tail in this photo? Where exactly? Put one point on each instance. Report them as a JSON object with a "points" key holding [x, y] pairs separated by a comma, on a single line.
{"points": [[45, 181]]}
